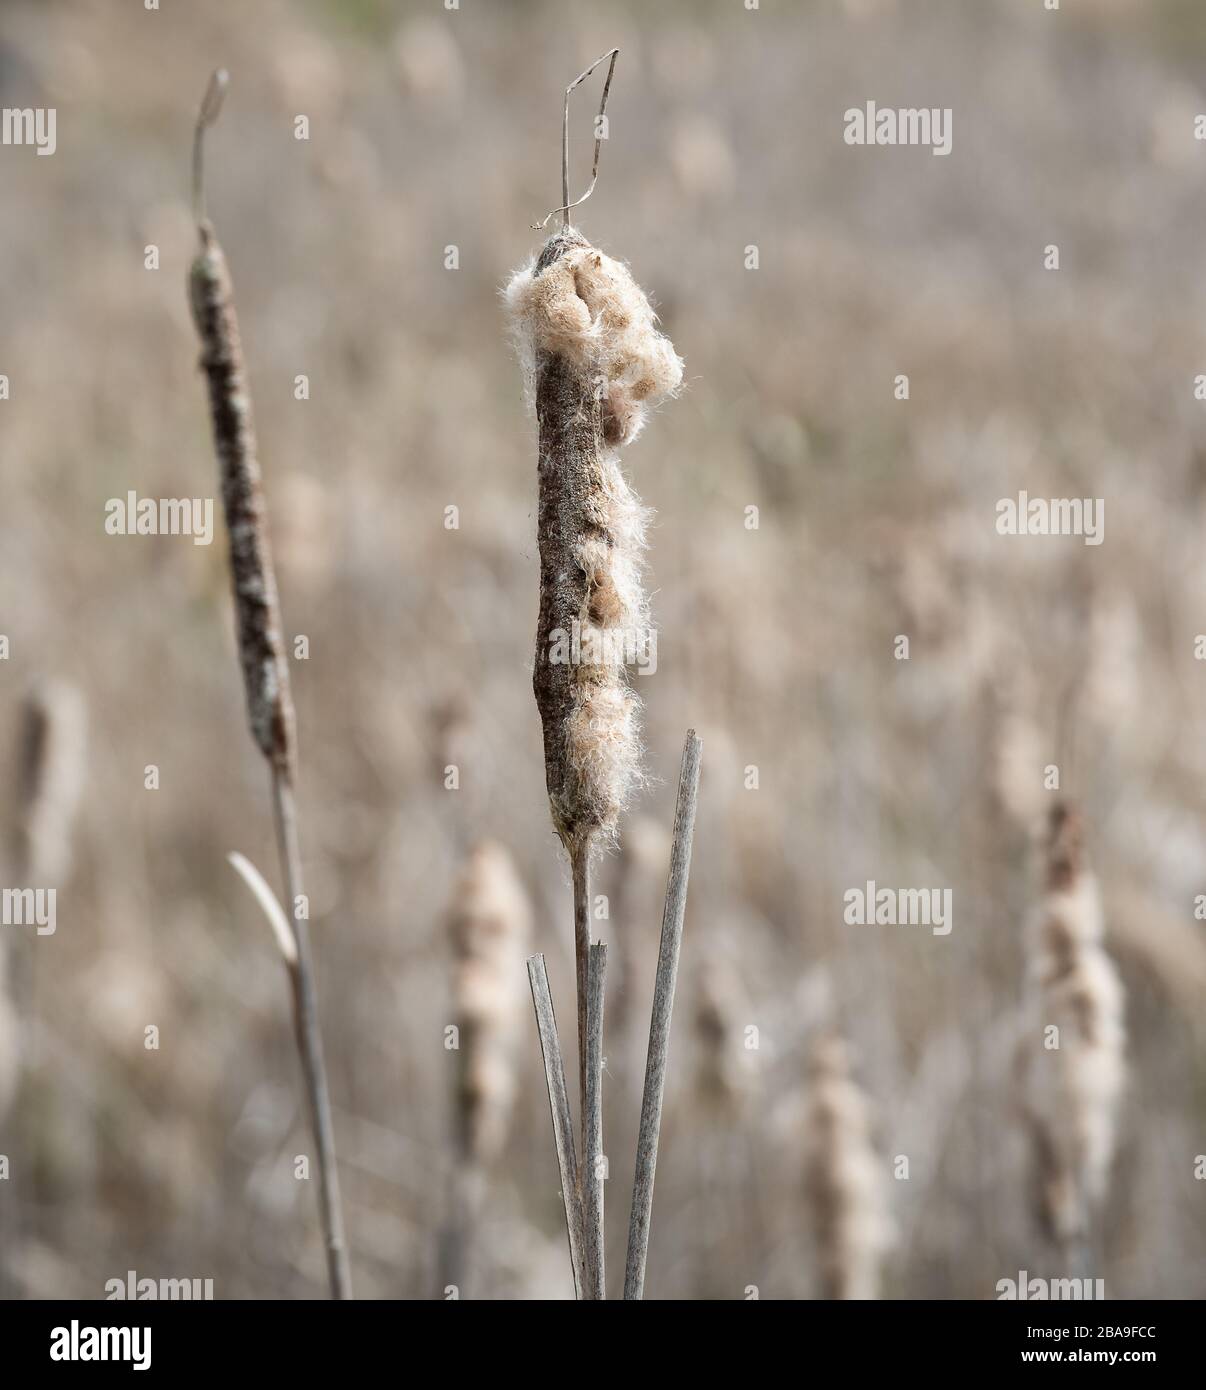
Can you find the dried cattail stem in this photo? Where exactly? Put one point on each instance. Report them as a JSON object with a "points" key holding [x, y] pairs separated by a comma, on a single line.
{"points": [[309, 1044], [580, 871], [843, 1177], [261, 653], [592, 1175], [1073, 1077], [563, 1127], [659, 1023]]}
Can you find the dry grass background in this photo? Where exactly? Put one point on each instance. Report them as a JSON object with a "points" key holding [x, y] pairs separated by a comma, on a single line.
{"points": [[430, 129]]}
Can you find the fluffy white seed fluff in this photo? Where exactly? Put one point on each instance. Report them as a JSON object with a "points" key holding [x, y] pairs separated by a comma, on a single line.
{"points": [[587, 307]]}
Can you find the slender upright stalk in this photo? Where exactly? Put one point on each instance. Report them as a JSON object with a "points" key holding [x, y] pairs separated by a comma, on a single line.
{"points": [[580, 865], [592, 1165], [261, 646], [309, 1042], [563, 1126], [659, 1024]]}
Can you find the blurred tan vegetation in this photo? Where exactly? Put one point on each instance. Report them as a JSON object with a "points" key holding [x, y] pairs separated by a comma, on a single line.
{"points": [[431, 129]]}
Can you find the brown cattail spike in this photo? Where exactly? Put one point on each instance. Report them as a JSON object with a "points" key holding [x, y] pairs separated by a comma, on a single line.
{"points": [[594, 361], [257, 609]]}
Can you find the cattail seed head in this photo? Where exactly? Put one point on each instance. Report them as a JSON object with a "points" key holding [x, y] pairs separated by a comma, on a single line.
{"points": [[489, 924], [257, 609], [1072, 1091], [593, 364]]}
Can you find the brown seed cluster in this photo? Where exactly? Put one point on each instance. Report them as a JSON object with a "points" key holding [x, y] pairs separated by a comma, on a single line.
{"points": [[257, 609]]}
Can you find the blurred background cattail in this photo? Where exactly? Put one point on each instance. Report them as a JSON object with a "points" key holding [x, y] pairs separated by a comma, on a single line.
{"points": [[489, 931], [1073, 1049], [725, 1096], [51, 772], [844, 1177], [50, 781]]}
